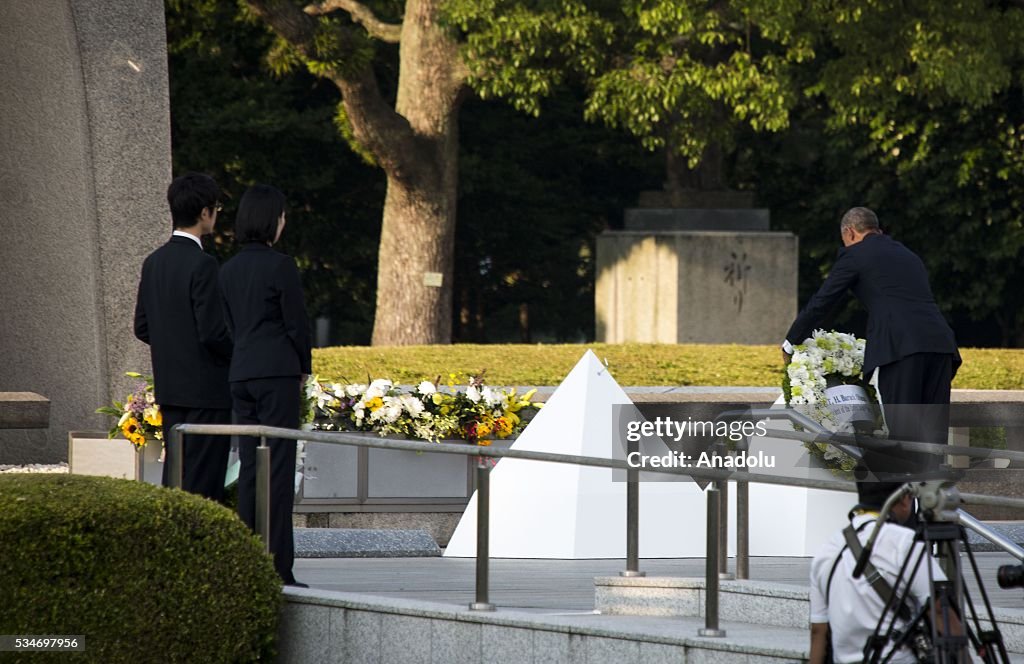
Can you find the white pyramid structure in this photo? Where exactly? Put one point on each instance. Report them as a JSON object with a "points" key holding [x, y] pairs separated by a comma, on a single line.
{"points": [[549, 510]]}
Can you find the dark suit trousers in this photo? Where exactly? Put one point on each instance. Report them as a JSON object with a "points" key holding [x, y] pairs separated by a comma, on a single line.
{"points": [[915, 399], [271, 402], [205, 461]]}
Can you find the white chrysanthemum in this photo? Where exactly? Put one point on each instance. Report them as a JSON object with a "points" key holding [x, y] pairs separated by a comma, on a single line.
{"points": [[426, 388], [355, 389], [473, 394], [412, 405]]}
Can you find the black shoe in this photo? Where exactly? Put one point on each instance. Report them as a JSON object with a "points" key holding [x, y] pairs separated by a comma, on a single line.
{"points": [[297, 584]]}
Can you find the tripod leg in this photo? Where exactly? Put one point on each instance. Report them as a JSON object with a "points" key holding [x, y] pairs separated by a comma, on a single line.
{"points": [[988, 643]]}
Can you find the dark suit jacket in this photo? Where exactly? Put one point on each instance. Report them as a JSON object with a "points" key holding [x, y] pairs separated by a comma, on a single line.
{"points": [[266, 314], [892, 283], [178, 313]]}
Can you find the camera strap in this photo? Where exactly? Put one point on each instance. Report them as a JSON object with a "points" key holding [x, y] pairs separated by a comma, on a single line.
{"points": [[872, 575]]}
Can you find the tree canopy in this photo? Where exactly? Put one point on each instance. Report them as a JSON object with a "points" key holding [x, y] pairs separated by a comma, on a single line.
{"points": [[914, 109]]}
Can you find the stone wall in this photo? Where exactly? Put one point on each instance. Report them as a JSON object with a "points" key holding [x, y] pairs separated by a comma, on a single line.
{"points": [[695, 286], [85, 139]]}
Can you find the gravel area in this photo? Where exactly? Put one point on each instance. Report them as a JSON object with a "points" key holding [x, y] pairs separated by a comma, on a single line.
{"points": [[35, 468]]}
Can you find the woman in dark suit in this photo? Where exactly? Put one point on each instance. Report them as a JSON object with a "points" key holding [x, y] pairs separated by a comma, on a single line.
{"points": [[265, 311]]}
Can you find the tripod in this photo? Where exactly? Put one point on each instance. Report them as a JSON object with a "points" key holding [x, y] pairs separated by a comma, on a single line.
{"points": [[934, 633]]}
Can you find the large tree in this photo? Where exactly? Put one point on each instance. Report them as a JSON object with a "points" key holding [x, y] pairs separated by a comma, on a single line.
{"points": [[688, 76], [414, 140]]}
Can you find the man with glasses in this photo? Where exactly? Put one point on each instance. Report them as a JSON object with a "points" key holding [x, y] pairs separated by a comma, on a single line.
{"points": [[179, 314]]}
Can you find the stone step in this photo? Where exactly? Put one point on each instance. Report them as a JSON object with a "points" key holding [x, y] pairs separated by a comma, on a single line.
{"points": [[757, 602], [320, 626], [363, 543]]}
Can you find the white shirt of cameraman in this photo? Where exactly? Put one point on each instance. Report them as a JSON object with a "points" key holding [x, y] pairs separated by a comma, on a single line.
{"points": [[853, 607]]}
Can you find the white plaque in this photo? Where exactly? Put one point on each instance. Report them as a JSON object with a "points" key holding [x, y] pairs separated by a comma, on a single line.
{"points": [[433, 279]]}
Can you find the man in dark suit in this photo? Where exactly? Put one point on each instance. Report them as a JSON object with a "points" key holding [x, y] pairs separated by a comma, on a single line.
{"points": [[178, 313], [911, 354]]}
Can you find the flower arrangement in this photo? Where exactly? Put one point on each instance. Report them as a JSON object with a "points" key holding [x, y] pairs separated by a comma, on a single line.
{"points": [[822, 362], [138, 418], [429, 411]]}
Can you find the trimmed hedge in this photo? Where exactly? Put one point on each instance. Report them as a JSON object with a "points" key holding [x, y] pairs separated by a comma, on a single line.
{"points": [[630, 364], [145, 574]]}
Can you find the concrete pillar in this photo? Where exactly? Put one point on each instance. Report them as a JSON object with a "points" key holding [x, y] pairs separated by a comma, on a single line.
{"points": [[84, 168]]}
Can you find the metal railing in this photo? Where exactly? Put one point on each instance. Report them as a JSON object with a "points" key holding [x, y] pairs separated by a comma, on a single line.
{"points": [[716, 504]]}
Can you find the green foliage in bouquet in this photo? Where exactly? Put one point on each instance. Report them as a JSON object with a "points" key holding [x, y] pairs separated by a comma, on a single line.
{"points": [[138, 419], [145, 574]]}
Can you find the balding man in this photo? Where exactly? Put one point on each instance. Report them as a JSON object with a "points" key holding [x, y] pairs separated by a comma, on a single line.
{"points": [[911, 354]]}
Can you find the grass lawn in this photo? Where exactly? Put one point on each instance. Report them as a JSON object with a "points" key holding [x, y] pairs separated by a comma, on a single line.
{"points": [[630, 364]]}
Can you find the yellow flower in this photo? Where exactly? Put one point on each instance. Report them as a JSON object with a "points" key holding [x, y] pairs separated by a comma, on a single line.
{"points": [[374, 403], [154, 417], [437, 398], [138, 440], [483, 443], [503, 427], [484, 427], [130, 428]]}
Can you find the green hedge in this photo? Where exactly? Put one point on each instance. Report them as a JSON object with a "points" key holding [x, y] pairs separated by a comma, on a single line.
{"points": [[145, 574], [630, 364]]}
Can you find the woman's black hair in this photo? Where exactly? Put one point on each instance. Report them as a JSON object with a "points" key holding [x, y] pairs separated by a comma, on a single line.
{"points": [[260, 208]]}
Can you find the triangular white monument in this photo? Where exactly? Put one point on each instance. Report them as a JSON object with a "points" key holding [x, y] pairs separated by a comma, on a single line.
{"points": [[553, 510]]}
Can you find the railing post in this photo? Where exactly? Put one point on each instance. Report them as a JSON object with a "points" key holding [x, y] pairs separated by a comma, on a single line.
{"points": [[263, 492], [723, 529], [632, 519], [711, 569], [483, 531], [742, 529], [743, 516], [175, 458], [723, 517]]}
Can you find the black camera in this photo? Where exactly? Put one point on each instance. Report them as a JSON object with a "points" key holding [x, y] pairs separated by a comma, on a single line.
{"points": [[1010, 576]]}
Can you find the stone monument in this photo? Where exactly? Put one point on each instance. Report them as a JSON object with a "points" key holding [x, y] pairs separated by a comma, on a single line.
{"points": [[85, 139], [695, 265]]}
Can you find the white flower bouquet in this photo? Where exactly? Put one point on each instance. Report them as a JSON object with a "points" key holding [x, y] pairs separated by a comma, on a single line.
{"points": [[477, 415], [824, 381]]}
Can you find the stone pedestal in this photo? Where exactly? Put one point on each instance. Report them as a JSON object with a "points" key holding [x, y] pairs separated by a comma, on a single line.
{"points": [[658, 285], [85, 139]]}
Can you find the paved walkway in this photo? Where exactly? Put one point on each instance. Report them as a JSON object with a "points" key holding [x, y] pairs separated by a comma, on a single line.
{"points": [[553, 586]]}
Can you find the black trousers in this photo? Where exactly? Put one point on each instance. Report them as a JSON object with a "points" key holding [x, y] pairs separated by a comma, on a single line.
{"points": [[915, 400], [205, 458], [271, 402]]}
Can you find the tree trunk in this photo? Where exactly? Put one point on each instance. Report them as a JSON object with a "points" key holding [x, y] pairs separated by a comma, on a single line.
{"points": [[414, 268], [417, 245]]}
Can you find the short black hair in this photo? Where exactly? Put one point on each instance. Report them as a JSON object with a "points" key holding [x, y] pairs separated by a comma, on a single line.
{"points": [[260, 208], [189, 195], [874, 494], [860, 219]]}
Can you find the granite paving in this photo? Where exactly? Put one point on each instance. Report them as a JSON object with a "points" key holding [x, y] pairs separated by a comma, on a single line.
{"points": [[558, 586]]}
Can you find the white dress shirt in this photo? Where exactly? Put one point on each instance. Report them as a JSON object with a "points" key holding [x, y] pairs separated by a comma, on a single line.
{"points": [[189, 236]]}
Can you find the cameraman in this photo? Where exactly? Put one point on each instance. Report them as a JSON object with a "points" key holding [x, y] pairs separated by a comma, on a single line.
{"points": [[853, 607]]}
